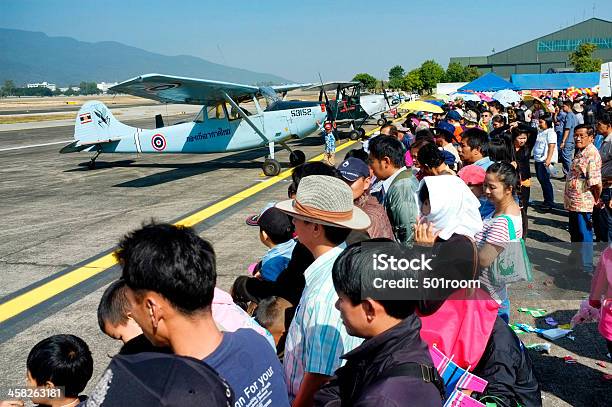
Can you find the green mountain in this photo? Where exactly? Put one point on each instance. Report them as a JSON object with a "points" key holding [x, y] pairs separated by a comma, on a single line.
{"points": [[27, 57]]}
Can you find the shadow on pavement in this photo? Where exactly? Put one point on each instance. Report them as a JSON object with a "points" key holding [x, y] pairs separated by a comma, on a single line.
{"points": [[576, 384]]}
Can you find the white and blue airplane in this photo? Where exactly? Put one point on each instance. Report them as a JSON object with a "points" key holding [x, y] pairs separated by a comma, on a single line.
{"points": [[221, 126]]}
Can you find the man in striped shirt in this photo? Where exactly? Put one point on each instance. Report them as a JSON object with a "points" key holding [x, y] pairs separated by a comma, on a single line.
{"points": [[323, 214]]}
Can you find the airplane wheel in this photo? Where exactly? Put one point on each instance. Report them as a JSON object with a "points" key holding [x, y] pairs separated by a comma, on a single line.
{"points": [[362, 132], [271, 167], [381, 121], [396, 116], [354, 135]]}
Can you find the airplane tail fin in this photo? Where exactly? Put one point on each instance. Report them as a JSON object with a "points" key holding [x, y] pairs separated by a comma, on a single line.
{"points": [[94, 125]]}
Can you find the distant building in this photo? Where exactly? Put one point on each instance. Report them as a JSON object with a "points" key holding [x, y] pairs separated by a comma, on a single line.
{"points": [[73, 88], [549, 53], [50, 86], [104, 86]]}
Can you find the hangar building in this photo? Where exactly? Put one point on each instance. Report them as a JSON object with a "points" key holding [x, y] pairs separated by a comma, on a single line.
{"points": [[549, 53]]}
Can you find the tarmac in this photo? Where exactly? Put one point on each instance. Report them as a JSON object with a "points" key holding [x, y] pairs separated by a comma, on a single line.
{"points": [[58, 215]]}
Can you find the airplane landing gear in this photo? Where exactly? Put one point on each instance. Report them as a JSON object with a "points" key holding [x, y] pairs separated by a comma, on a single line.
{"points": [[381, 121], [92, 162], [297, 157], [271, 167]]}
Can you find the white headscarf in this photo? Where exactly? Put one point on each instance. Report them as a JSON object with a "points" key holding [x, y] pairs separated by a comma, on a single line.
{"points": [[454, 208]]}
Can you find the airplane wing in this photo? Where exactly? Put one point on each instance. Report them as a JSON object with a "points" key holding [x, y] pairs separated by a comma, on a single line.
{"points": [[177, 89], [329, 86], [287, 88]]}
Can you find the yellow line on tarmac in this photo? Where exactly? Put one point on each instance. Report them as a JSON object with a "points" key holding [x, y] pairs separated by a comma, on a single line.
{"points": [[27, 300]]}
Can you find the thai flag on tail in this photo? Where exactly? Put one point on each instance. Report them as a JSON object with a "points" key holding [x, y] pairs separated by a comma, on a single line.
{"points": [[454, 377]]}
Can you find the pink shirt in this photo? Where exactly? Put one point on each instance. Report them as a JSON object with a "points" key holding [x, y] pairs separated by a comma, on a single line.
{"points": [[230, 317]]}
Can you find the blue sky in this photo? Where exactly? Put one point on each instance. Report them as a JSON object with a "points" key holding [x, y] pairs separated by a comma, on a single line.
{"points": [[298, 39]]}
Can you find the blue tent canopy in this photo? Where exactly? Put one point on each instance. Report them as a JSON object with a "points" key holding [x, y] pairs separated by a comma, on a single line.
{"points": [[555, 81], [489, 82]]}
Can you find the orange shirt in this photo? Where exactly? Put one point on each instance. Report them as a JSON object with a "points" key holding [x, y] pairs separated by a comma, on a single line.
{"points": [[457, 133]]}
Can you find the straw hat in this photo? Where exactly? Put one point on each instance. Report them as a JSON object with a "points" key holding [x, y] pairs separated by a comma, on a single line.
{"points": [[327, 201]]}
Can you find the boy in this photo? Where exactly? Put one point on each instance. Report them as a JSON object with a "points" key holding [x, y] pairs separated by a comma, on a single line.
{"points": [[329, 155], [60, 361], [276, 233], [393, 365], [115, 320]]}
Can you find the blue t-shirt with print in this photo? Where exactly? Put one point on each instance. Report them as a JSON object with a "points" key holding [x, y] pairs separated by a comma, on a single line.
{"points": [[248, 363]]}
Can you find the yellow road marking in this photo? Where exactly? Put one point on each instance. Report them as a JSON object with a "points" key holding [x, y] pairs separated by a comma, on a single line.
{"points": [[27, 300]]}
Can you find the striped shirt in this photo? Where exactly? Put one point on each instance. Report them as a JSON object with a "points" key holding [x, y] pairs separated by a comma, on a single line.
{"points": [[317, 337], [497, 233]]}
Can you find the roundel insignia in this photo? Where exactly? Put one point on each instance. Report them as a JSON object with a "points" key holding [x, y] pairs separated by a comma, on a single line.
{"points": [[158, 142]]}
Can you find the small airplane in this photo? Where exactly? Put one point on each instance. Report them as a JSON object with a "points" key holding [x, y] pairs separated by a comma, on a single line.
{"points": [[350, 107], [221, 125]]}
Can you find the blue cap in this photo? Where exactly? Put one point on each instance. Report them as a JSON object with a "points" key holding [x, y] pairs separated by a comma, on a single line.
{"points": [[353, 168], [445, 127], [453, 115]]}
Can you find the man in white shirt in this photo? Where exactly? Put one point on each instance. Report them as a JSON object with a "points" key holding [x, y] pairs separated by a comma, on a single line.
{"points": [[323, 214], [544, 155]]}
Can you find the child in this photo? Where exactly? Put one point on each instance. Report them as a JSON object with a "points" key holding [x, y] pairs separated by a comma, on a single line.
{"points": [[474, 177], [601, 285], [115, 320], [275, 314], [60, 361], [276, 233], [329, 155]]}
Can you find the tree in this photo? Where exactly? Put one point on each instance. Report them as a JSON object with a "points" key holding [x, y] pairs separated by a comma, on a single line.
{"points": [[431, 74], [396, 77], [369, 82], [582, 59], [89, 88], [412, 81], [455, 72], [471, 73], [8, 88]]}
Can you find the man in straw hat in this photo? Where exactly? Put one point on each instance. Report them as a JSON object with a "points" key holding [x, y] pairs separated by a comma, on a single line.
{"points": [[323, 214]]}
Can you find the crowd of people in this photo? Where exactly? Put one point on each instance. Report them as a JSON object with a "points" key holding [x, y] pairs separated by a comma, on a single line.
{"points": [[298, 328]]}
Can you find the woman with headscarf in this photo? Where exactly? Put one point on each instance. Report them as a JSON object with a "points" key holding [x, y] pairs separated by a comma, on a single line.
{"points": [[463, 323], [449, 221]]}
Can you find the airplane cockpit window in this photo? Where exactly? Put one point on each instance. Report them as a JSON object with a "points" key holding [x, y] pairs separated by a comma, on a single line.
{"points": [[216, 112]]}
